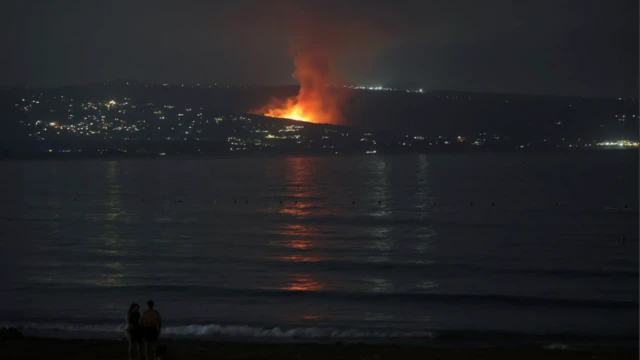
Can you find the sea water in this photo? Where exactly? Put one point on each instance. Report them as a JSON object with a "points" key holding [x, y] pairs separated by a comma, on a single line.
{"points": [[500, 249]]}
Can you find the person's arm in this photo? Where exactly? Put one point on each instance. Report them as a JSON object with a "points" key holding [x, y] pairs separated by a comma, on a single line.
{"points": [[141, 322], [159, 322]]}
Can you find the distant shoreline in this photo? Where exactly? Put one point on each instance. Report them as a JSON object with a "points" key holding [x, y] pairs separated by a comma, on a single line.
{"points": [[114, 155]]}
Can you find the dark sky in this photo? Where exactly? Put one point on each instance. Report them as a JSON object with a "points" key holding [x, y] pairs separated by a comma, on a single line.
{"points": [[564, 47]]}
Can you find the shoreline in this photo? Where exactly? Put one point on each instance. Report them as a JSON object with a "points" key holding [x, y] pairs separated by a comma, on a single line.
{"points": [[39, 348], [109, 156]]}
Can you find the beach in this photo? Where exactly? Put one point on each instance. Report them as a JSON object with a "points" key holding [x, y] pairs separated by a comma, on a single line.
{"points": [[194, 350]]}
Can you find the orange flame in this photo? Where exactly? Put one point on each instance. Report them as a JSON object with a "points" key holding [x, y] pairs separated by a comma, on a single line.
{"points": [[291, 110], [324, 37], [315, 102]]}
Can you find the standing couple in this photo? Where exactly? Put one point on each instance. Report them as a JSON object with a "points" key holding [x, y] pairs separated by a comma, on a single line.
{"points": [[143, 327]]}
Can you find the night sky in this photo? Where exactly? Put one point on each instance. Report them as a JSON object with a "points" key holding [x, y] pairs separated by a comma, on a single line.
{"points": [[563, 47]]}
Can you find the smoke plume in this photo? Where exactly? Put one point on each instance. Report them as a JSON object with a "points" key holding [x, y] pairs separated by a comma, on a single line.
{"points": [[322, 35]]}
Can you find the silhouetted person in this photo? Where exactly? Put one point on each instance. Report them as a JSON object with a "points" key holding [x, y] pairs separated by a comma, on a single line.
{"points": [[152, 324], [133, 330]]}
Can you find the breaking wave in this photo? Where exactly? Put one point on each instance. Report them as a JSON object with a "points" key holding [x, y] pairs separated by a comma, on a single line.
{"points": [[234, 331], [238, 332]]}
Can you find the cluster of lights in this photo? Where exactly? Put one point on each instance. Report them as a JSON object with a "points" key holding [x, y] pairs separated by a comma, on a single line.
{"points": [[291, 128], [113, 119], [90, 124], [380, 88], [620, 143]]}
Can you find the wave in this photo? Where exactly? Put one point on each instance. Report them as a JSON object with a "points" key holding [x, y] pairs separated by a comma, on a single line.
{"points": [[345, 265], [298, 332], [248, 332], [321, 215], [239, 331], [416, 297], [409, 219]]}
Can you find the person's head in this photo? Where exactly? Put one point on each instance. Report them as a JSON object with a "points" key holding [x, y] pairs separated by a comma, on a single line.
{"points": [[150, 304], [134, 307]]}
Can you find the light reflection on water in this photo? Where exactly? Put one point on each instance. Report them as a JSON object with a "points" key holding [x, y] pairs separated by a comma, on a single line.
{"points": [[299, 258], [380, 285], [363, 228], [113, 246], [300, 187], [300, 242], [303, 282], [299, 237], [380, 186]]}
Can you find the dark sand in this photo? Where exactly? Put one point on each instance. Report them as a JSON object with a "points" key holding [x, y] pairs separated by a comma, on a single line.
{"points": [[45, 349]]}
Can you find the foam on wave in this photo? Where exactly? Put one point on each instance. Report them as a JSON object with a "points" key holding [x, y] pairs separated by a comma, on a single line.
{"points": [[243, 331]]}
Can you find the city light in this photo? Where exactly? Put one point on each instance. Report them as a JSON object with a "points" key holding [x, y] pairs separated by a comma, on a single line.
{"points": [[619, 143], [59, 117], [381, 88]]}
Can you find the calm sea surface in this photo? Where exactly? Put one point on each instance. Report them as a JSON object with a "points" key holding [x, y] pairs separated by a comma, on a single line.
{"points": [[509, 248]]}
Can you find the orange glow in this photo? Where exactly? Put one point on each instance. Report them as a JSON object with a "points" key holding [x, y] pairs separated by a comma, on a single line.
{"points": [[292, 111], [303, 283], [316, 101], [300, 244], [299, 241], [300, 258], [299, 171], [323, 40], [297, 230], [311, 105]]}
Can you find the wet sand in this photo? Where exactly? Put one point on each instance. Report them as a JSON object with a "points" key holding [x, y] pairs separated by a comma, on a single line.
{"points": [[43, 349]]}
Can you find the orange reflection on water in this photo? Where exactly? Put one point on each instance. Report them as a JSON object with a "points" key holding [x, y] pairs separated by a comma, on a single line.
{"points": [[299, 177], [300, 244], [297, 230], [303, 283], [299, 258], [299, 209], [298, 241]]}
